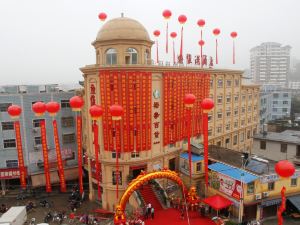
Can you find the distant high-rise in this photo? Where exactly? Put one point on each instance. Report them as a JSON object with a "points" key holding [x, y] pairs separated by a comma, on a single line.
{"points": [[270, 63]]}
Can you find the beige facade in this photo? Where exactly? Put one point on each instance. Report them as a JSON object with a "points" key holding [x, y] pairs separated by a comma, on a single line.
{"points": [[234, 128]]}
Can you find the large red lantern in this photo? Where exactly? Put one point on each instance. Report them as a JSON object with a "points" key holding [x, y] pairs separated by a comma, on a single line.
{"points": [[189, 100], [233, 35], [182, 19], [39, 108], [96, 112], [52, 108], [173, 34], [14, 111], [76, 103], [116, 112], [201, 42], [216, 31], [156, 33], [201, 23], [207, 104], [167, 14], [285, 168], [102, 16]]}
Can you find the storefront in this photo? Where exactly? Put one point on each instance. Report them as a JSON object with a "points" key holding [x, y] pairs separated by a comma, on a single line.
{"points": [[10, 177], [269, 208]]}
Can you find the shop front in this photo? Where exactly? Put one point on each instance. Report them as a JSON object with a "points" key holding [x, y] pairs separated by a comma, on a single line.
{"points": [[269, 208], [10, 178]]}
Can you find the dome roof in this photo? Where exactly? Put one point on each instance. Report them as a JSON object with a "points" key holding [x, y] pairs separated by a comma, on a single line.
{"points": [[122, 28]]}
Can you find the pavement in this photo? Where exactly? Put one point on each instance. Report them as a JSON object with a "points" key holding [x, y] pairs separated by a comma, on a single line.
{"points": [[286, 221]]}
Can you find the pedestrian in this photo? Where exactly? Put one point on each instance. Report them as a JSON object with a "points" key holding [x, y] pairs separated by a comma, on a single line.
{"points": [[152, 212], [149, 206]]}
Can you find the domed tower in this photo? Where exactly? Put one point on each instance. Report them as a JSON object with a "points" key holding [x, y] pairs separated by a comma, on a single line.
{"points": [[123, 41]]}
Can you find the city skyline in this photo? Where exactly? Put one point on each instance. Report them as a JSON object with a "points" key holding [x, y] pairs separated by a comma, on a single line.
{"points": [[53, 35]]}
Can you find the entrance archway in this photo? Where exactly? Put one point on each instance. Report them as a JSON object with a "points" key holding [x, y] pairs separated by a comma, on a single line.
{"points": [[137, 183]]}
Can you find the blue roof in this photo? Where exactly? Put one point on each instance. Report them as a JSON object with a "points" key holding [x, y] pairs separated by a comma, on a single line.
{"points": [[233, 172], [195, 158]]}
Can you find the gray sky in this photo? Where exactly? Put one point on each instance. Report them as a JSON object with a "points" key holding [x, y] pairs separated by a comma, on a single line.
{"points": [[47, 41]]}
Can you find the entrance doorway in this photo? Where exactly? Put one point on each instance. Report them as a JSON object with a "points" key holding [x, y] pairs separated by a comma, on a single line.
{"points": [[172, 164], [136, 170]]}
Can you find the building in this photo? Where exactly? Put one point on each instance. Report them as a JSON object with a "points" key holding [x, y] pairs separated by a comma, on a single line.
{"points": [[278, 146], [152, 132], [275, 103], [248, 181], [25, 96], [270, 63]]}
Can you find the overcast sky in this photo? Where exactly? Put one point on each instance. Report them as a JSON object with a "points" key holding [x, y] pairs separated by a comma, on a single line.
{"points": [[47, 41]]}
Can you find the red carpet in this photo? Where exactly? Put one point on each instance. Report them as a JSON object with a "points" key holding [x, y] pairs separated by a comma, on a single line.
{"points": [[149, 197], [172, 217]]}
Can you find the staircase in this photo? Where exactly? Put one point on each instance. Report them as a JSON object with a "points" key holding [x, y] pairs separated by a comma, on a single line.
{"points": [[150, 197]]}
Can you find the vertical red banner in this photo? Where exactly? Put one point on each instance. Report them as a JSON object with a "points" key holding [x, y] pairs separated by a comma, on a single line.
{"points": [[96, 146], [45, 155], [60, 167], [79, 151], [205, 145], [20, 155]]}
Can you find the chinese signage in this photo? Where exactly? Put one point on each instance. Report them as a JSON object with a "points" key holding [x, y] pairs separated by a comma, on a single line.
{"points": [[10, 173], [274, 177], [156, 115]]}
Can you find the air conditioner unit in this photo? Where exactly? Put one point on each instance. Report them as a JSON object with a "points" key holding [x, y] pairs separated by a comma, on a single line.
{"points": [[265, 194], [35, 129], [257, 196]]}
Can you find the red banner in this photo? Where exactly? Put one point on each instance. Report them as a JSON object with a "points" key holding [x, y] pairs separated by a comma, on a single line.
{"points": [[60, 166], [20, 155], [205, 146], [45, 155], [79, 151], [96, 146], [11, 173]]}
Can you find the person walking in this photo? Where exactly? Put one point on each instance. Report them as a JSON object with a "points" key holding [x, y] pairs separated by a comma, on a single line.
{"points": [[149, 206], [152, 212]]}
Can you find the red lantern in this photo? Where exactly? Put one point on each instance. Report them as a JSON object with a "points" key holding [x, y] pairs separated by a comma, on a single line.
{"points": [[201, 23], [96, 112], [156, 33], [116, 112], [173, 34], [167, 14], [14, 111], [52, 108], [216, 31], [76, 103], [182, 19], [39, 108], [207, 104], [102, 16], [285, 168], [189, 100], [233, 34], [201, 42]]}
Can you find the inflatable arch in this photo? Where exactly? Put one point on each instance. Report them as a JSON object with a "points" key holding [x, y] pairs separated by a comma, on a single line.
{"points": [[137, 183]]}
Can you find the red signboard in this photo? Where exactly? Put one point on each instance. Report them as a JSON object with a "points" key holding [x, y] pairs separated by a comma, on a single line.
{"points": [[11, 173]]}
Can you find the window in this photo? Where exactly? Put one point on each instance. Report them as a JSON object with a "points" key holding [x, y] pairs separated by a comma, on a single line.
{"points": [[131, 56], [250, 188], [211, 83], [147, 57], [228, 126], [111, 56], [65, 104], [7, 125], [293, 182], [114, 178], [249, 108], [285, 95], [228, 113], [9, 143], [36, 122], [243, 109], [284, 110], [236, 82], [271, 186], [67, 121], [283, 148], [236, 111], [220, 99], [12, 163], [248, 134], [242, 122], [198, 166], [235, 139], [236, 124], [219, 143], [37, 140], [210, 132], [4, 106], [242, 137], [274, 109], [219, 129], [228, 83], [68, 138], [236, 98], [285, 102], [263, 145], [249, 97], [227, 141], [219, 115], [134, 155], [228, 99], [209, 117], [243, 97], [220, 83], [114, 154], [298, 151], [275, 95], [275, 102]]}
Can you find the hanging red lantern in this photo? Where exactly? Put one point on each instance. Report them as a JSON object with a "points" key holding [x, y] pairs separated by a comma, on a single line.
{"points": [[201, 42], [285, 168], [39, 108], [156, 33], [233, 34], [167, 14], [201, 23], [76, 103], [207, 104], [116, 112], [96, 112], [182, 19], [102, 16], [14, 111], [52, 108], [216, 31], [189, 100], [173, 34]]}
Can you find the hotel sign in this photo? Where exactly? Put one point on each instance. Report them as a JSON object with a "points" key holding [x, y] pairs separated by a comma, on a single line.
{"points": [[274, 177]]}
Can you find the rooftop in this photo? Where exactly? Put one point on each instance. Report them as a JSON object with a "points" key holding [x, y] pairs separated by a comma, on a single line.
{"points": [[288, 136]]}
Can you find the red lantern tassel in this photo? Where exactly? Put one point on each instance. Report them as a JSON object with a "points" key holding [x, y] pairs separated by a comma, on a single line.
{"points": [[157, 52], [20, 155], [60, 166], [189, 141], [96, 146], [282, 206], [233, 53], [205, 145], [45, 155], [79, 152], [167, 38], [216, 51], [181, 43]]}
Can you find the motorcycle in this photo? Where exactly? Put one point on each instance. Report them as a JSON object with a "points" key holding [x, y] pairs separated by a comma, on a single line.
{"points": [[44, 203], [48, 218]]}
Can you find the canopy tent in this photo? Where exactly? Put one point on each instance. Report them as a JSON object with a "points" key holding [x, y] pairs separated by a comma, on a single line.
{"points": [[217, 202]]}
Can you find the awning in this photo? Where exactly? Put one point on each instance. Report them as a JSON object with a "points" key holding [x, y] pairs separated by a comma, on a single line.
{"points": [[233, 172], [295, 201], [195, 158], [71, 174], [39, 180], [217, 202]]}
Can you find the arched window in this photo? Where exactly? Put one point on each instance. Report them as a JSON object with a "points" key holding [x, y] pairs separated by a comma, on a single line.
{"points": [[131, 56], [111, 56]]}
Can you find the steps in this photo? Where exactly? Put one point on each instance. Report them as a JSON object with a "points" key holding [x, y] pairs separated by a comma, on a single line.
{"points": [[150, 197]]}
